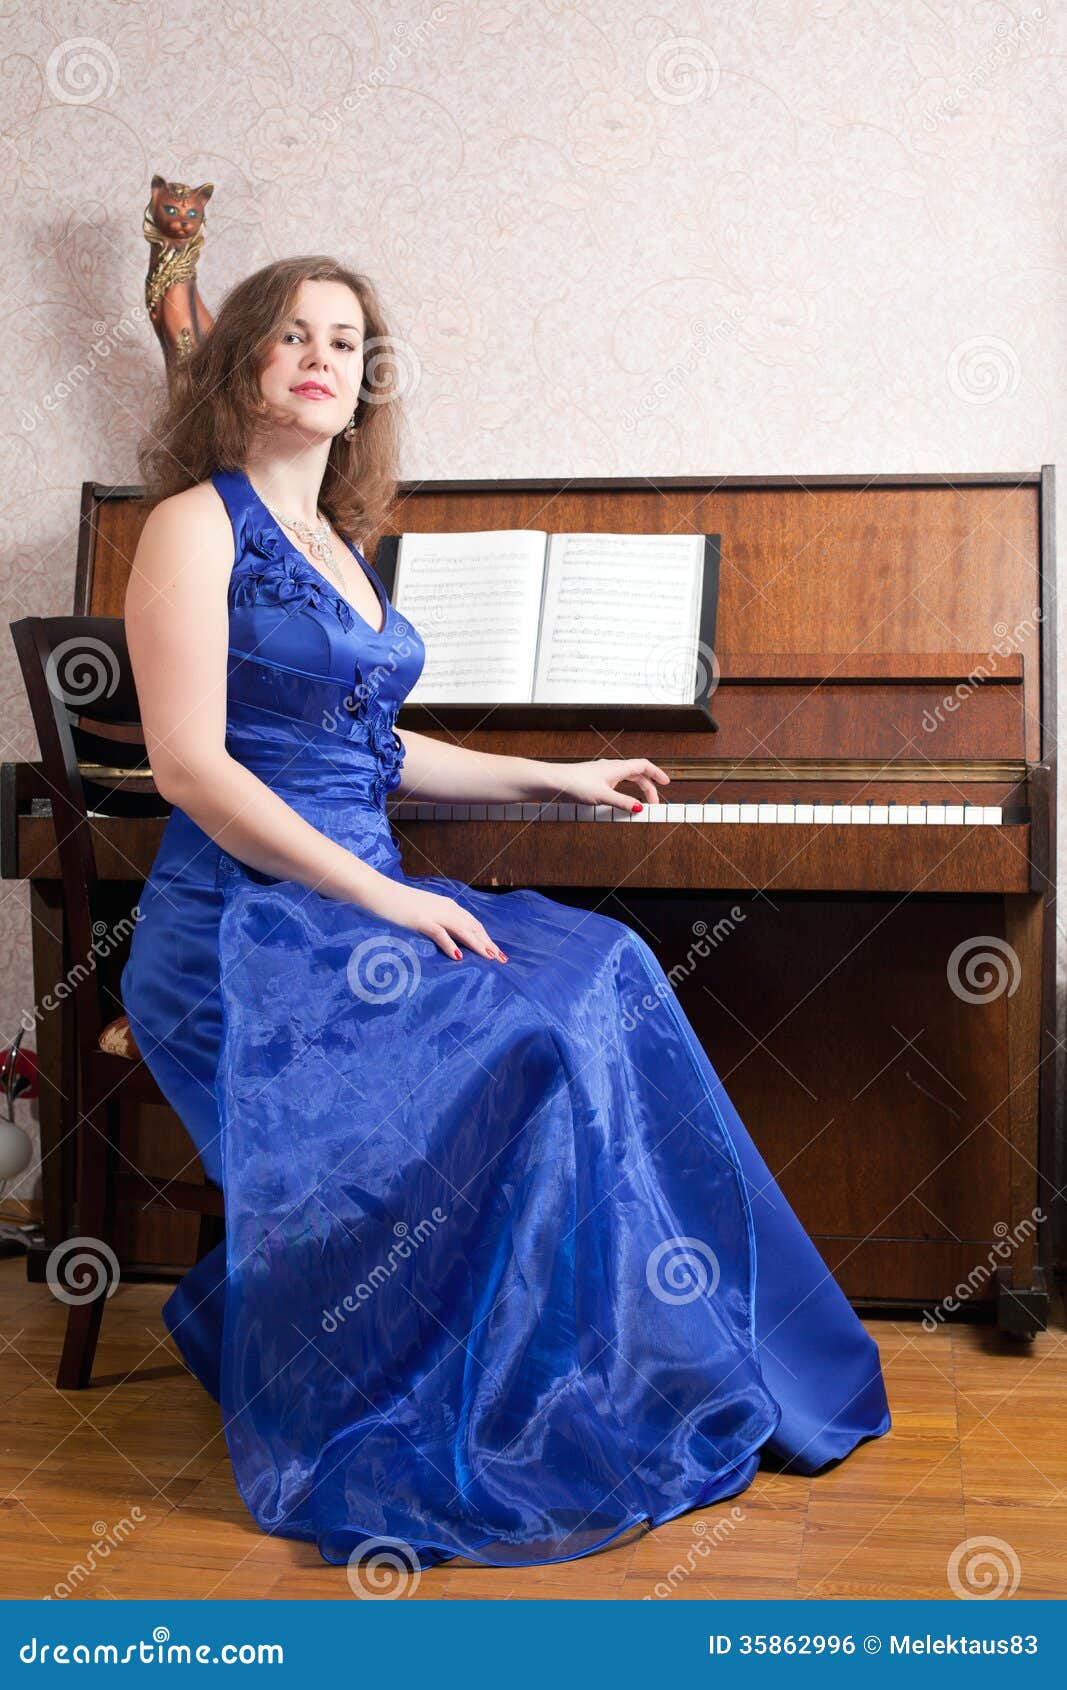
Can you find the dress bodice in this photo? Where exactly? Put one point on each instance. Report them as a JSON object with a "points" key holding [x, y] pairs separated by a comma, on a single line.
{"points": [[313, 690]]}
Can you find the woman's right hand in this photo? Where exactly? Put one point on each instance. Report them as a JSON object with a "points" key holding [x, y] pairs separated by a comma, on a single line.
{"points": [[441, 919]]}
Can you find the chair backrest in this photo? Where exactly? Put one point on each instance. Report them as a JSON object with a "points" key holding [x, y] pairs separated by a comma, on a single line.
{"points": [[81, 691]]}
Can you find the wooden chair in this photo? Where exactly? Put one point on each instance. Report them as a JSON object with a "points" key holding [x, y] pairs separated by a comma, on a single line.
{"points": [[82, 695]]}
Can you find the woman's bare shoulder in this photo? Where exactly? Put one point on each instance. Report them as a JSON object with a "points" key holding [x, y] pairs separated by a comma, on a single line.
{"points": [[187, 535], [199, 506]]}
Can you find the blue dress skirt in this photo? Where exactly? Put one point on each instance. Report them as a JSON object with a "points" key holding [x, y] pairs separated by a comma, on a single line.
{"points": [[504, 1274]]}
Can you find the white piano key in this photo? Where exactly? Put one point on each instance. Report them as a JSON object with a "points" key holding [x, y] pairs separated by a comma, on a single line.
{"points": [[861, 814], [513, 812], [972, 814], [842, 814], [425, 812], [823, 814], [786, 813], [992, 815], [530, 812], [916, 815], [767, 812], [954, 815], [711, 813], [731, 813], [879, 815], [806, 814], [750, 812], [694, 812], [603, 812], [656, 812], [935, 815], [641, 816], [567, 812], [585, 812], [478, 812], [898, 813], [676, 812]]}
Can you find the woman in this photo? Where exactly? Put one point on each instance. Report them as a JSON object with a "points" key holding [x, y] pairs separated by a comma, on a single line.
{"points": [[489, 1285]]}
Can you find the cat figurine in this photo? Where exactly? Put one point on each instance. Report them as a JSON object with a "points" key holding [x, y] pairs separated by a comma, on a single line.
{"points": [[174, 229]]}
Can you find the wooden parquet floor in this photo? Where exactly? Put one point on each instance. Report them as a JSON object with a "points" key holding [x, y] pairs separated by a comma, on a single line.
{"points": [[126, 1490]]}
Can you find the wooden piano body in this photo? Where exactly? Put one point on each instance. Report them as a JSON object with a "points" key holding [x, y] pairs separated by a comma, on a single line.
{"points": [[875, 983]]}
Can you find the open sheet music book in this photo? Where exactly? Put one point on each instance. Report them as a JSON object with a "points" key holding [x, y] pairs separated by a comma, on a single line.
{"points": [[520, 615]]}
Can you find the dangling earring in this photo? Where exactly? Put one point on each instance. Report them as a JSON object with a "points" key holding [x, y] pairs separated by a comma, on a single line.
{"points": [[349, 430]]}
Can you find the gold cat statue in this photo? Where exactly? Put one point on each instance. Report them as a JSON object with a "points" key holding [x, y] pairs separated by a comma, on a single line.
{"points": [[174, 228]]}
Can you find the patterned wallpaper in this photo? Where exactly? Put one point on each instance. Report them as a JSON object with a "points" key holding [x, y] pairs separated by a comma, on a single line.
{"points": [[804, 236]]}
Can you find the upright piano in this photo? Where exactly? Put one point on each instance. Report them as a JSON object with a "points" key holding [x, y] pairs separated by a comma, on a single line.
{"points": [[850, 884]]}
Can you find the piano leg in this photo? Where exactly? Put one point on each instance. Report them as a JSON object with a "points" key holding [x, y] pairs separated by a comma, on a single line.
{"points": [[1022, 1312], [53, 1039], [1022, 1295]]}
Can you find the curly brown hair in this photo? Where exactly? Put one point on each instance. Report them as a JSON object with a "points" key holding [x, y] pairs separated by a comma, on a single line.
{"points": [[209, 418]]}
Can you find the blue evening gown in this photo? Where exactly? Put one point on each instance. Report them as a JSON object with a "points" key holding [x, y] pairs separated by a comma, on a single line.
{"points": [[504, 1274]]}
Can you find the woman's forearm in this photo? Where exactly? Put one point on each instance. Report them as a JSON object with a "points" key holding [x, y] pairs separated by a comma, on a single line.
{"points": [[252, 822], [437, 772]]}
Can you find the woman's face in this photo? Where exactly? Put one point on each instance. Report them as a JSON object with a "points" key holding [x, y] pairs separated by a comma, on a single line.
{"points": [[312, 373]]}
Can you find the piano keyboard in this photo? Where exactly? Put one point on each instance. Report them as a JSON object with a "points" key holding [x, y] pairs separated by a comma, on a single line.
{"points": [[870, 814]]}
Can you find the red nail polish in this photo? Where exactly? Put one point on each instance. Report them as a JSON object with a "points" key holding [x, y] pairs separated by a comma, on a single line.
{"points": [[636, 808], [456, 955]]}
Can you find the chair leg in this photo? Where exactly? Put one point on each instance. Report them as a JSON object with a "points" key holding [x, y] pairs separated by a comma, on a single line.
{"points": [[212, 1232], [82, 1271]]}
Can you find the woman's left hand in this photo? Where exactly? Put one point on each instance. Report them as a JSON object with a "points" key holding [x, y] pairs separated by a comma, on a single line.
{"points": [[595, 783]]}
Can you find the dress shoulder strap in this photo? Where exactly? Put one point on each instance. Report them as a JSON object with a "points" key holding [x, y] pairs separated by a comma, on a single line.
{"points": [[232, 488]]}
